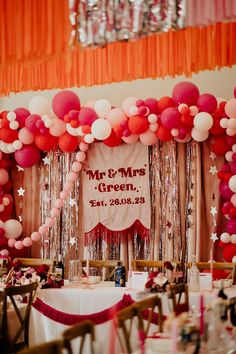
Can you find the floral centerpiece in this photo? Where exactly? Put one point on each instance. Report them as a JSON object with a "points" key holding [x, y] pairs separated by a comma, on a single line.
{"points": [[21, 275]]}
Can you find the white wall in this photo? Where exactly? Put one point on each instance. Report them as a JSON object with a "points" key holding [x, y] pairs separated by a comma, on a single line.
{"points": [[220, 83]]}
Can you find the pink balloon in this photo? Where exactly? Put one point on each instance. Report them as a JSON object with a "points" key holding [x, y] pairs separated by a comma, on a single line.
{"points": [[49, 222], [19, 245], [64, 102], [76, 167], [35, 236], [151, 103], [21, 115], [4, 176], [27, 242], [68, 186], [170, 118], [225, 168], [87, 116], [11, 242], [43, 229], [80, 156], [25, 136], [72, 176], [54, 212], [133, 138], [83, 146], [116, 116], [185, 92], [27, 156], [4, 253], [207, 103], [59, 203], [31, 121], [58, 128], [231, 226], [233, 168], [235, 92], [148, 138], [225, 192], [128, 103], [230, 108], [64, 195]]}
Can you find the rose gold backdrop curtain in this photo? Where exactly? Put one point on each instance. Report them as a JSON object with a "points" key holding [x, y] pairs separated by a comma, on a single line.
{"points": [[183, 193]]}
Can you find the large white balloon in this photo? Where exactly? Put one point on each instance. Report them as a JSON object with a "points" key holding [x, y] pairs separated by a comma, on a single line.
{"points": [[39, 105], [225, 237], [74, 131], [102, 107], [203, 121], [199, 135], [13, 228], [101, 129], [232, 183]]}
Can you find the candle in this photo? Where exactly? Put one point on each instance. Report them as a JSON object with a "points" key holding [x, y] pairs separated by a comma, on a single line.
{"points": [[201, 315]]}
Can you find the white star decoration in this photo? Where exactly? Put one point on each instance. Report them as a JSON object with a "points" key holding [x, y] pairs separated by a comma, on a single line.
{"points": [[212, 156], [213, 211], [213, 170], [46, 160], [214, 237], [72, 241], [19, 168], [21, 192], [72, 202]]}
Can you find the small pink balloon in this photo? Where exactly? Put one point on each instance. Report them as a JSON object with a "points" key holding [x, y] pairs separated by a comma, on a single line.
{"points": [[19, 245], [133, 138], [148, 138], [58, 127], [43, 230], [4, 253], [64, 195], [4, 176], [59, 203], [49, 222], [80, 156], [76, 167], [27, 242], [68, 186], [230, 108], [31, 121], [54, 212], [35, 236], [116, 116], [1, 207], [83, 146], [87, 116], [72, 176], [126, 133], [25, 136], [21, 115], [11, 242], [128, 103]]}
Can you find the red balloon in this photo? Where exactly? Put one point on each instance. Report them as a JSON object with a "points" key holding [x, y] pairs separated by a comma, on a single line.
{"points": [[138, 125], [7, 212], [5, 122], [113, 140], [46, 142], [151, 103], [225, 192], [64, 102], [8, 135], [207, 103], [187, 120], [7, 186], [229, 252], [67, 142], [216, 129], [170, 118], [21, 115], [31, 122], [28, 156], [118, 130], [165, 102], [3, 240], [185, 92], [219, 145], [232, 212], [217, 273], [5, 163], [164, 134]]}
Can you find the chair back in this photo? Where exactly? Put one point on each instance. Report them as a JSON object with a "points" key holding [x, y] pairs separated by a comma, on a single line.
{"points": [[80, 330], [218, 265], [53, 347], [143, 313], [26, 291], [178, 295], [36, 262], [141, 264], [107, 265]]}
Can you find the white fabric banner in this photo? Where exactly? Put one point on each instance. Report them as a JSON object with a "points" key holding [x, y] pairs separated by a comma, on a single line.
{"points": [[115, 187]]}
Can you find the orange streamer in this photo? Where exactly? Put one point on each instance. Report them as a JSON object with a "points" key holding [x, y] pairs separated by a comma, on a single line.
{"points": [[35, 53]]}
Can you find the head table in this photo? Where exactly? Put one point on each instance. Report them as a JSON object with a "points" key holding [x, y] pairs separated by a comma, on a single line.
{"points": [[77, 299]]}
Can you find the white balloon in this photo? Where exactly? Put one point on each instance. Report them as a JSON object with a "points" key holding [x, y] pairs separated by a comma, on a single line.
{"points": [[17, 144], [3, 147], [233, 238], [10, 148], [39, 105], [232, 183], [174, 132], [13, 228], [101, 129], [48, 123], [153, 127], [224, 123], [74, 131], [199, 135], [11, 116], [89, 138], [102, 107], [234, 259], [203, 121], [133, 111], [228, 156], [225, 237], [14, 125], [232, 123], [230, 131], [233, 148], [152, 118], [193, 110]]}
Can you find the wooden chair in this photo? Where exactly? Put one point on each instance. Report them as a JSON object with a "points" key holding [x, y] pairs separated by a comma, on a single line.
{"points": [[36, 262], [13, 344], [175, 295], [53, 347], [218, 265], [108, 265], [79, 330], [143, 312], [147, 265]]}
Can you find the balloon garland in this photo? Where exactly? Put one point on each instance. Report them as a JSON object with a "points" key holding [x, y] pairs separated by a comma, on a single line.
{"points": [[184, 116]]}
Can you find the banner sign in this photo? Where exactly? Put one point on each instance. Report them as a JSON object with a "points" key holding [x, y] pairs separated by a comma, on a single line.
{"points": [[115, 187]]}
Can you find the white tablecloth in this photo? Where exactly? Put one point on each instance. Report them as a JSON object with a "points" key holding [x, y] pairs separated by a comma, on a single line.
{"points": [[77, 299]]}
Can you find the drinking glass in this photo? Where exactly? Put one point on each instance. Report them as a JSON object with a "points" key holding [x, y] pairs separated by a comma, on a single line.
{"points": [[75, 270]]}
